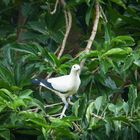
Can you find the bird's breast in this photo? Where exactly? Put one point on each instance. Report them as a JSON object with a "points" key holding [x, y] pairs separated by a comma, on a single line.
{"points": [[75, 85]]}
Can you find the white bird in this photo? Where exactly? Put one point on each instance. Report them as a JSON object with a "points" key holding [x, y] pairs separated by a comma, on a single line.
{"points": [[63, 86]]}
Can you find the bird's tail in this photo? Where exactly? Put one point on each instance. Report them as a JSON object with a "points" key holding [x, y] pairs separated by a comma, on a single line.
{"points": [[46, 84], [42, 82], [35, 81]]}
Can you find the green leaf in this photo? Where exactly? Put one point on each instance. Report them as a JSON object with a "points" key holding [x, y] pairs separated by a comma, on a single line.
{"points": [[108, 128], [118, 51], [123, 41], [117, 125], [7, 93], [132, 95], [54, 109], [107, 35], [4, 133], [54, 58], [2, 107], [137, 62], [88, 15], [38, 26], [16, 88], [112, 107], [45, 134], [91, 54], [127, 63], [75, 108], [98, 103], [17, 103], [35, 118], [126, 107], [126, 133], [119, 2], [136, 127], [89, 111], [115, 108], [6, 75], [25, 94], [70, 119], [6, 2], [110, 83], [105, 65], [24, 49], [60, 123], [39, 104], [26, 9]]}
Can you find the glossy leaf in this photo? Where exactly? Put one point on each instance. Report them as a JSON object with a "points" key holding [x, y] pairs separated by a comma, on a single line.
{"points": [[119, 2], [118, 51], [4, 133], [98, 103]]}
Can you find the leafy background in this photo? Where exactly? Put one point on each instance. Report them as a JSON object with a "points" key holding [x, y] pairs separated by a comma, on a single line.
{"points": [[107, 104]]}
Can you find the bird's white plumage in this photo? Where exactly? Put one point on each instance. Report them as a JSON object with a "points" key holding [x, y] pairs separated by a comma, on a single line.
{"points": [[68, 83]]}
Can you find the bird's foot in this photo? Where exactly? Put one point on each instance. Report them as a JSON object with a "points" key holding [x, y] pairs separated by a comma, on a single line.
{"points": [[62, 115], [69, 100]]}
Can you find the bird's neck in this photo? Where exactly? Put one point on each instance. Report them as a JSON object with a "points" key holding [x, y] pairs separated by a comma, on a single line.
{"points": [[73, 73]]}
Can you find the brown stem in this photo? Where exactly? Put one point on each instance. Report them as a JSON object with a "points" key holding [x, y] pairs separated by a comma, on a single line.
{"points": [[55, 7], [96, 116], [21, 21], [68, 20], [93, 33]]}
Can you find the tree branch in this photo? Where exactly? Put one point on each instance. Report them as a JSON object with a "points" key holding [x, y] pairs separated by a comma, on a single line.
{"points": [[96, 116], [52, 105], [21, 21], [93, 33], [68, 20], [77, 127], [55, 7]]}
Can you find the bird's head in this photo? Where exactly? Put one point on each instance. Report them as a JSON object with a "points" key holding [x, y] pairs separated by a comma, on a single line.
{"points": [[75, 68]]}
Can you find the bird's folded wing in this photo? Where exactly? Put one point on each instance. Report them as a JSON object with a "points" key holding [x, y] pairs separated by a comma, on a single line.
{"points": [[62, 84]]}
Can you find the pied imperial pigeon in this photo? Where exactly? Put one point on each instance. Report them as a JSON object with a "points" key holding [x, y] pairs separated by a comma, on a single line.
{"points": [[63, 86]]}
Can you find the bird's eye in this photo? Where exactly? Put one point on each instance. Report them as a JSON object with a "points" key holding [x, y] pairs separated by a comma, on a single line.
{"points": [[74, 67]]}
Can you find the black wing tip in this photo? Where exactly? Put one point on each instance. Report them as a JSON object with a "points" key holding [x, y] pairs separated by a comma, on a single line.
{"points": [[42, 82], [46, 83], [35, 81]]}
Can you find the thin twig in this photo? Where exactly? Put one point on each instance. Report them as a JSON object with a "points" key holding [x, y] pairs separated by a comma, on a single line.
{"points": [[55, 115], [49, 75], [68, 20], [52, 105], [70, 102], [93, 33], [95, 70], [77, 127], [46, 106], [55, 7], [103, 14], [58, 48], [103, 113], [99, 117], [94, 30], [33, 110]]}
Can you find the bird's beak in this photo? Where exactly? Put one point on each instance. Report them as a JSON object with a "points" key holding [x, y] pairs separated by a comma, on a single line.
{"points": [[78, 69]]}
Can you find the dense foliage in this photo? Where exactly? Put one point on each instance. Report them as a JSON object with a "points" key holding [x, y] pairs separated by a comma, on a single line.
{"points": [[107, 104]]}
